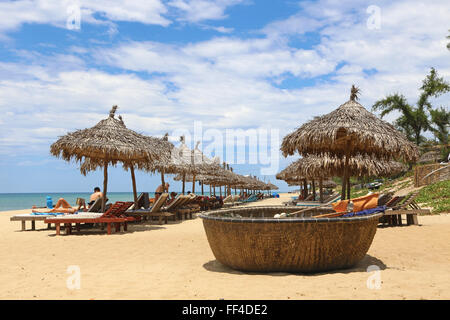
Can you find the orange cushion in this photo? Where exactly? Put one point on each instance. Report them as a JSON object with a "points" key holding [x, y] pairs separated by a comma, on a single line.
{"points": [[340, 206], [367, 202]]}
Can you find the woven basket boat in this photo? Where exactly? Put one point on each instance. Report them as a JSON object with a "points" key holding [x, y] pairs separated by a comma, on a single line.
{"points": [[250, 239]]}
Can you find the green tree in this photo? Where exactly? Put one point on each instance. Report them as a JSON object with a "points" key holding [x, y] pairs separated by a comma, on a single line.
{"points": [[414, 120], [440, 119], [448, 44]]}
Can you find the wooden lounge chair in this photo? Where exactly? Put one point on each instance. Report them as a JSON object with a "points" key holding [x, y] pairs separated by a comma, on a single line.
{"points": [[384, 198], [96, 206], [403, 205], [143, 201], [154, 211], [114, 215], [189, 207], [330, 200]]}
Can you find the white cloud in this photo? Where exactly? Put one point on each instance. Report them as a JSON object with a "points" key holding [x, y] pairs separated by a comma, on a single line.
{"points": [[200, 10], [227, 81], [55, 12]]}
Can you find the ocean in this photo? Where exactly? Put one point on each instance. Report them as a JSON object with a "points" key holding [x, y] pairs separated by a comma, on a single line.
{"points": [[18, 201]]}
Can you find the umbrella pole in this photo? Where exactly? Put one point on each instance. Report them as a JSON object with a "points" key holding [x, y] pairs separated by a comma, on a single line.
{"points": [[314, 190], [193, 183], [348, 187], [133, 180], [162, 180], [105, 186], [344, 186], [210, 191], [184, 180], [344, 180], [305, 189], [321, 190], [202, 189], [220, 191]]}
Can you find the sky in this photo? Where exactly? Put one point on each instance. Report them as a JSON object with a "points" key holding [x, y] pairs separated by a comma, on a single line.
{"points": [[174, 65]]}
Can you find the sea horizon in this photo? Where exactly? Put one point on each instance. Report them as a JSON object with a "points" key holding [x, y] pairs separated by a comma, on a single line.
{"points": [[25, 200]]}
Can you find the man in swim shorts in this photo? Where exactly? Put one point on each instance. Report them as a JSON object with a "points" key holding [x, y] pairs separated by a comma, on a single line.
{"points": [[96, 195], [160, 190]]}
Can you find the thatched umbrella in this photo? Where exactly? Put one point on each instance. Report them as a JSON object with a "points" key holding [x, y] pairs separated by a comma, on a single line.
{"points": [[430, 156], [107, 143], [349, 130], [326, 165], [329, 184], [183, 161]]}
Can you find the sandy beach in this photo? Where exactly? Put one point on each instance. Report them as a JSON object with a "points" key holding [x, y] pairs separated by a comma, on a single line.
{"points": [[174, 261]]}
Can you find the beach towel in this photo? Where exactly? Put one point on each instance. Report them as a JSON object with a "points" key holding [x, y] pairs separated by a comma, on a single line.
{"points": [[340, 206], [366, 212], [369, 201], [47, 213]]}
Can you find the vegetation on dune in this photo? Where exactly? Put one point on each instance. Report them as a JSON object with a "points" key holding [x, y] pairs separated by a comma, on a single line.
{"points": [[437, 196]]}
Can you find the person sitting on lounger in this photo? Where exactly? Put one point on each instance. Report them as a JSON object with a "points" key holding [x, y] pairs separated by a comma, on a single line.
{"points": [[172, 197], [96, 195]]}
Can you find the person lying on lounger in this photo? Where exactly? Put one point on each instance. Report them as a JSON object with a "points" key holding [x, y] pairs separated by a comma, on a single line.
{"points": [[63, 206]]}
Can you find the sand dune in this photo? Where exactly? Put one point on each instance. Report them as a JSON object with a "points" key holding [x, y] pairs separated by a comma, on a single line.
{"points": [[174, 261]]}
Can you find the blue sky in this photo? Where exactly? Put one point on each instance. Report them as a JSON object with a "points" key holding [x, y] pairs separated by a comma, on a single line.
{"points": [[230, 64]]}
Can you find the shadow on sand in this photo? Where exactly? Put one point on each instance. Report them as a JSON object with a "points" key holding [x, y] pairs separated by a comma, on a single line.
{"points": [[368, 260]]}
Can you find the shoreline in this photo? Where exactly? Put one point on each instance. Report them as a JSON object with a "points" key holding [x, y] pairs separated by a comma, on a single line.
{"points": [[174, 261], [115, 196]]}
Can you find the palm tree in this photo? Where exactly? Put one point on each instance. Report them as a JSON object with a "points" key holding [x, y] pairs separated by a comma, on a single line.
{"points": [[440, 120], [412, 122], [414, 119], [448, 44]]}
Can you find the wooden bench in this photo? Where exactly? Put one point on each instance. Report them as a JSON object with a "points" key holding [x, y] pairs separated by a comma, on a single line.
{"points": [[113, 216], [394, 217], [33, 218]]}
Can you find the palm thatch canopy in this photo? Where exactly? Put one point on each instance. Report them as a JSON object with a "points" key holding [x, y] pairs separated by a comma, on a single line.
{"points": [[430, 156], [271, 186], [324, 166], [109, 142], [349, 129], [183, 160], [329, 184]]}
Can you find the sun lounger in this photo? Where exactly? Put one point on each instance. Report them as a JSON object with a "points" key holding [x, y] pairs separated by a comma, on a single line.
{"points": [[252, 198], [189, 207], [41, 216], [154, 211], [114, 215], [143, 201], [228, 199], [403, 205], [332, 199]]}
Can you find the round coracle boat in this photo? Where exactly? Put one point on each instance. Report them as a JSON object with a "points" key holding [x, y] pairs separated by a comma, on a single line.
{"points": [[251, 239]]}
